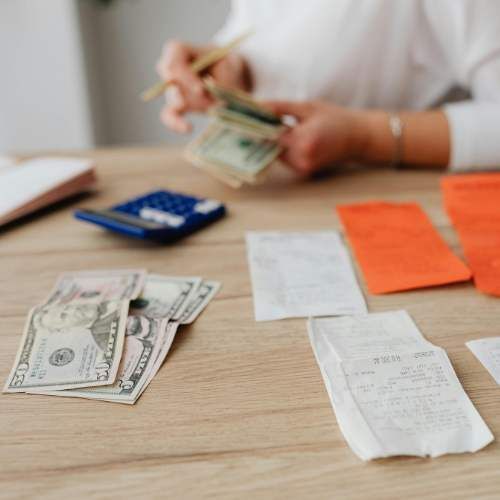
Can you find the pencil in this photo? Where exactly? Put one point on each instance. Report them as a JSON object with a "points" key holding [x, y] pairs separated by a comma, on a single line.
{"points": [[200, 64]]}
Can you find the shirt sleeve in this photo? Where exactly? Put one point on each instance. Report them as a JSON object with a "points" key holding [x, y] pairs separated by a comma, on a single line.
{"points": [[475, 124]]}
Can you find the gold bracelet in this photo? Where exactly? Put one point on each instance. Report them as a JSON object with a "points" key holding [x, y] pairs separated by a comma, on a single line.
{"points": [[397, 128]]}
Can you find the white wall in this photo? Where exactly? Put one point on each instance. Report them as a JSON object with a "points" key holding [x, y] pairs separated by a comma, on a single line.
{"points": [[72, 70], [43, 95], [126, 41]]}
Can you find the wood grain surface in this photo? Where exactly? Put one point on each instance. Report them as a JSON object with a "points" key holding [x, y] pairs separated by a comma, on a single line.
{"points": [[239, 410]]}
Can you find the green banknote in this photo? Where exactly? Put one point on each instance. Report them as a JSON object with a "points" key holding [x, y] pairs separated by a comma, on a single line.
{"points": [[241, 142], [235, 152], [75, 339], [242, 103], [79, 327]]}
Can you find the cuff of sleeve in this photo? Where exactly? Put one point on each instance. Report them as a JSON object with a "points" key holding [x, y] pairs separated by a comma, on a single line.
{"points": [[474, 135]]}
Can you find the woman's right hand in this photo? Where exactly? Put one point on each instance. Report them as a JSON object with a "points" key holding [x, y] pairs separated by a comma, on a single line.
{"points": [[188, 93]]}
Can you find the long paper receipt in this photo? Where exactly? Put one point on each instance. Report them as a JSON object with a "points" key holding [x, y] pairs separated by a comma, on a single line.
{"points": [[473, 205], [301, 274], [487, 351], [398, 248], [392, 391]]}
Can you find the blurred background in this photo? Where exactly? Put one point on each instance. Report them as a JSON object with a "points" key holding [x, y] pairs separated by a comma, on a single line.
{"points": [[72, 70]]}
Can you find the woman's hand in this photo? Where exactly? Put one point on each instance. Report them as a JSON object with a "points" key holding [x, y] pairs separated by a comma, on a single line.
{"points": [[324, 134], [188, 94]]}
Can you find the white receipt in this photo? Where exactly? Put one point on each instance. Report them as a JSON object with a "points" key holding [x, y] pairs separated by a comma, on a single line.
{"points": [[488, 352], [302, 274], [366, 335], [392, 391]]}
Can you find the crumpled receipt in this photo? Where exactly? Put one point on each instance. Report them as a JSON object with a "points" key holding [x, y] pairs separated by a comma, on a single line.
{"points": [[487, 351], [392, 391]]}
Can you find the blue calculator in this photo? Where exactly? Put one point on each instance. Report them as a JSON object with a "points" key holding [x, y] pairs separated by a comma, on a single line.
{"points": [[162, 216]]}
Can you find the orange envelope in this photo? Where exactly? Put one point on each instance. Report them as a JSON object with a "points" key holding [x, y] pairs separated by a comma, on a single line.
{"points": [[473, 205], [398, 248]]}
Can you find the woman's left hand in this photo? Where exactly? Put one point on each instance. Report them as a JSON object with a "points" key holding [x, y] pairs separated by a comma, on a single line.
{"points": [[324, 134]]}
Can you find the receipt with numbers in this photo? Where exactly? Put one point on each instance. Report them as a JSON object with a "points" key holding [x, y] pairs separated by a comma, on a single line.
{"points": [[392, 391], [487, 351], [301, 274]]}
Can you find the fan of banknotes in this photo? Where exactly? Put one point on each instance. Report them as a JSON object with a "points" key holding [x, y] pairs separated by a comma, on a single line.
{"points": [[240, 143], [105, 334]]}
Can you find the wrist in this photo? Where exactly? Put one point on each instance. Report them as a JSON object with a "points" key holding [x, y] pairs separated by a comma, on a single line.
{"points": [[372, 138]]}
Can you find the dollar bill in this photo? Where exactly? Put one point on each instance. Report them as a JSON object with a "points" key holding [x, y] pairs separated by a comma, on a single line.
{"points": [[98, 286], [75, 339], [143, 339], [205, 293], [241, 142], [68, 345], [234, 152], [86, 342], [187, 312], [166, 341], [165, 297], [242, 121], [241, 103], [162, 297], [213, 170]]}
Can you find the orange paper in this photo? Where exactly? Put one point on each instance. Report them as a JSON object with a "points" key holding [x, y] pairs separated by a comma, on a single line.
{"points": [[398, 248], [473, 205]]}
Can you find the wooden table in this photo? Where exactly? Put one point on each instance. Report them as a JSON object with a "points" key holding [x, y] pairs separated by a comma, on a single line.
{"points": [[239, 410]]}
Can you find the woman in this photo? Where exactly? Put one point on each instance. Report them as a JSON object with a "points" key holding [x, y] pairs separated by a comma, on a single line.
{"points": [[368, 80]]}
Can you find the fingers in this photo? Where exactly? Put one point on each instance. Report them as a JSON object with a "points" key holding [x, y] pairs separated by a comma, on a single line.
{"points": [[175, 121], [174, 65], [300, 110], [299, 150], [173, 111]]}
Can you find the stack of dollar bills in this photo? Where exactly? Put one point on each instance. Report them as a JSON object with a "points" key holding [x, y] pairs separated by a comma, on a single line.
{"points": [[240, 143], [105, 334]]}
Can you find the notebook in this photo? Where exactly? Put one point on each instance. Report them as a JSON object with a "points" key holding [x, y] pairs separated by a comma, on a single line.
{"points": [[37, 183]]}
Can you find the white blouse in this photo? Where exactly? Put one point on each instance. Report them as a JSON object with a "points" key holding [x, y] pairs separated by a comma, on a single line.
{"points": [[388, 54]]}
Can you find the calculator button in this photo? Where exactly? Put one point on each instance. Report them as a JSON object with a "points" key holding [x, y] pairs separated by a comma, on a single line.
{"points": [[162, 217], [206, 206]]}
